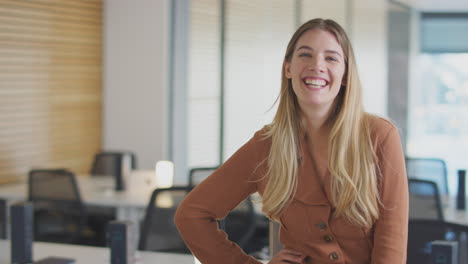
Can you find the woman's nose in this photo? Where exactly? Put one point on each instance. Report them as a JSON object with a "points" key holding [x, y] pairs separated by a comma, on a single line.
{"points": [[316, 64]]}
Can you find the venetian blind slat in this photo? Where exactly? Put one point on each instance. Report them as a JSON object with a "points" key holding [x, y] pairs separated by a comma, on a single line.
{"points": [[52, 11], [20, 19], [23, 44]]}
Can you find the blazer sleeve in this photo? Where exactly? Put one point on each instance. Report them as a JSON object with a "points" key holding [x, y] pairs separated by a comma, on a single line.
{"points": [[213, 199], [391, 229]]}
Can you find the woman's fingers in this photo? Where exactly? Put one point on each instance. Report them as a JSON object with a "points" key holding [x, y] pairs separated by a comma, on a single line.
{"points": [[288, 256], [293, 258], [292, 252]]}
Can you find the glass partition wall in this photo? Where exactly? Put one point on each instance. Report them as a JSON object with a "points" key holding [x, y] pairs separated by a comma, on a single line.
{"points": [[438, 96], [438, 124]]}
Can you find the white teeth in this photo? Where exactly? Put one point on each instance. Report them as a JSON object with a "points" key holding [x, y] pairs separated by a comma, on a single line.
{"points": [[315, 82]]}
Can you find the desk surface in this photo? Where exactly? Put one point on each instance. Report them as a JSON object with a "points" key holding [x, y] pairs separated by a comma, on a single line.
{"points": [[99, 190], [87, 255], [451, 214]]}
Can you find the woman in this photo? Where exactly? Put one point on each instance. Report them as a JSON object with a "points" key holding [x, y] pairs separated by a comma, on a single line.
{"points": [[331, 174]]}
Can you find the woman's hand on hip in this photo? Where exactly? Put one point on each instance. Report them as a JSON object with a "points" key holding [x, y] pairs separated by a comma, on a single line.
{"points": [[288, 256]]}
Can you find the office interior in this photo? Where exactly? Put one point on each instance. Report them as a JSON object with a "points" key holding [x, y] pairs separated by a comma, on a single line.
{"points": [[190, 81]]}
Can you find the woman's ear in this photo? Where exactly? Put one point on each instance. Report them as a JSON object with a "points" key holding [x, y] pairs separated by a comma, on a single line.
{"points": [[287, 69]]}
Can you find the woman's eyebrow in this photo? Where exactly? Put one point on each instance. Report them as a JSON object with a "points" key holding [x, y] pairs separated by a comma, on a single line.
{"points": [[311, 49], [305, 47], [334, 52]]}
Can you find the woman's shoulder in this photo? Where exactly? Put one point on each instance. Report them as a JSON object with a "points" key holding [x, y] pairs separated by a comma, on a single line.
{"points": [[380, 128], [262, 138]]}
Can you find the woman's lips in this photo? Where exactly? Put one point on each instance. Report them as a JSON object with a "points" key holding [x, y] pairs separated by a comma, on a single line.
{"points": [[315, 83]]}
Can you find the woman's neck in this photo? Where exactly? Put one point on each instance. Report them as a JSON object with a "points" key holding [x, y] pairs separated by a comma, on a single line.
{"points": [[317, 123]]}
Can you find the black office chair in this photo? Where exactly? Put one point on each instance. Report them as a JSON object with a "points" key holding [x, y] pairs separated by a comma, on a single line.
{"points": [[241, 224], [59, 213], [159, 232], [197, 175], [430, 169], [115, 164], [422, 232], [424, 200], [3, 219]]}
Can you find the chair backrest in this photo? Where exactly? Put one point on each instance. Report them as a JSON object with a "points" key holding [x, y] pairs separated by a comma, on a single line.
{"points": [[117, 164], [422, 232], [57, 202], [159, 232], [111, 163], [57, 185], [197, 175], [430, 169], [240, 223], [424, 200], [3, 219]]}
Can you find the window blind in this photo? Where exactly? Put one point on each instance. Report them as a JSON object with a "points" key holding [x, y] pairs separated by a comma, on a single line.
{"points": [[257, 33], [204, 84], [327, 9], [444, 32], [50, 85]]}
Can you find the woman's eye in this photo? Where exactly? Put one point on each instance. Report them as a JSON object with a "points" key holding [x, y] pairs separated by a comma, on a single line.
{"points": [[331, 59], [305, 55]]}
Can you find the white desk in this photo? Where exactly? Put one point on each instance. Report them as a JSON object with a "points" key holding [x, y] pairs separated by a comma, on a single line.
{"points": [[90, 255], [456, 216], [451, 214], [130, 204], [99, 190]]}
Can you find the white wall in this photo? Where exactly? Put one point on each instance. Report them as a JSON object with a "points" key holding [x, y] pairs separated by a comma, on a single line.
{"points": [[136, 75]]}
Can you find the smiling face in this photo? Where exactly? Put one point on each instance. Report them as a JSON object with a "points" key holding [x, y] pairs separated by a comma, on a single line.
{"points": [[316, 69]]}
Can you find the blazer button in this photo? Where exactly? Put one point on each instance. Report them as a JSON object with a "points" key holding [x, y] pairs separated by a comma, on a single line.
{"points": [[322, 226], [328, 238], [334, 256]]}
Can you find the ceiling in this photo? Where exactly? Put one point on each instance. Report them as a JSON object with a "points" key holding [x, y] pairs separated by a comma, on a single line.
{"points": [[438, 5]]}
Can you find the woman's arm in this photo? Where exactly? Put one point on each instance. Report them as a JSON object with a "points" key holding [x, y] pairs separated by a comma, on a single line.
{"points": [[213, 199], [391, 229]]}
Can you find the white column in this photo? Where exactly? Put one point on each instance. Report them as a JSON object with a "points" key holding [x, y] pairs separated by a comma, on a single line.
{"points": [[135, 78]]}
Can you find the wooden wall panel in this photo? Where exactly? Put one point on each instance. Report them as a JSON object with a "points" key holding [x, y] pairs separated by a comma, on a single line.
{"points": [[50, 85]]}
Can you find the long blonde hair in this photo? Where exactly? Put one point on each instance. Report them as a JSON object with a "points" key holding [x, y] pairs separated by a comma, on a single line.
{"points": [[351, 159]]}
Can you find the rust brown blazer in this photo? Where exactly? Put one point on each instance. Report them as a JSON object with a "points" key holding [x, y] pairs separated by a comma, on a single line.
{"points": [[307, 224]]}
